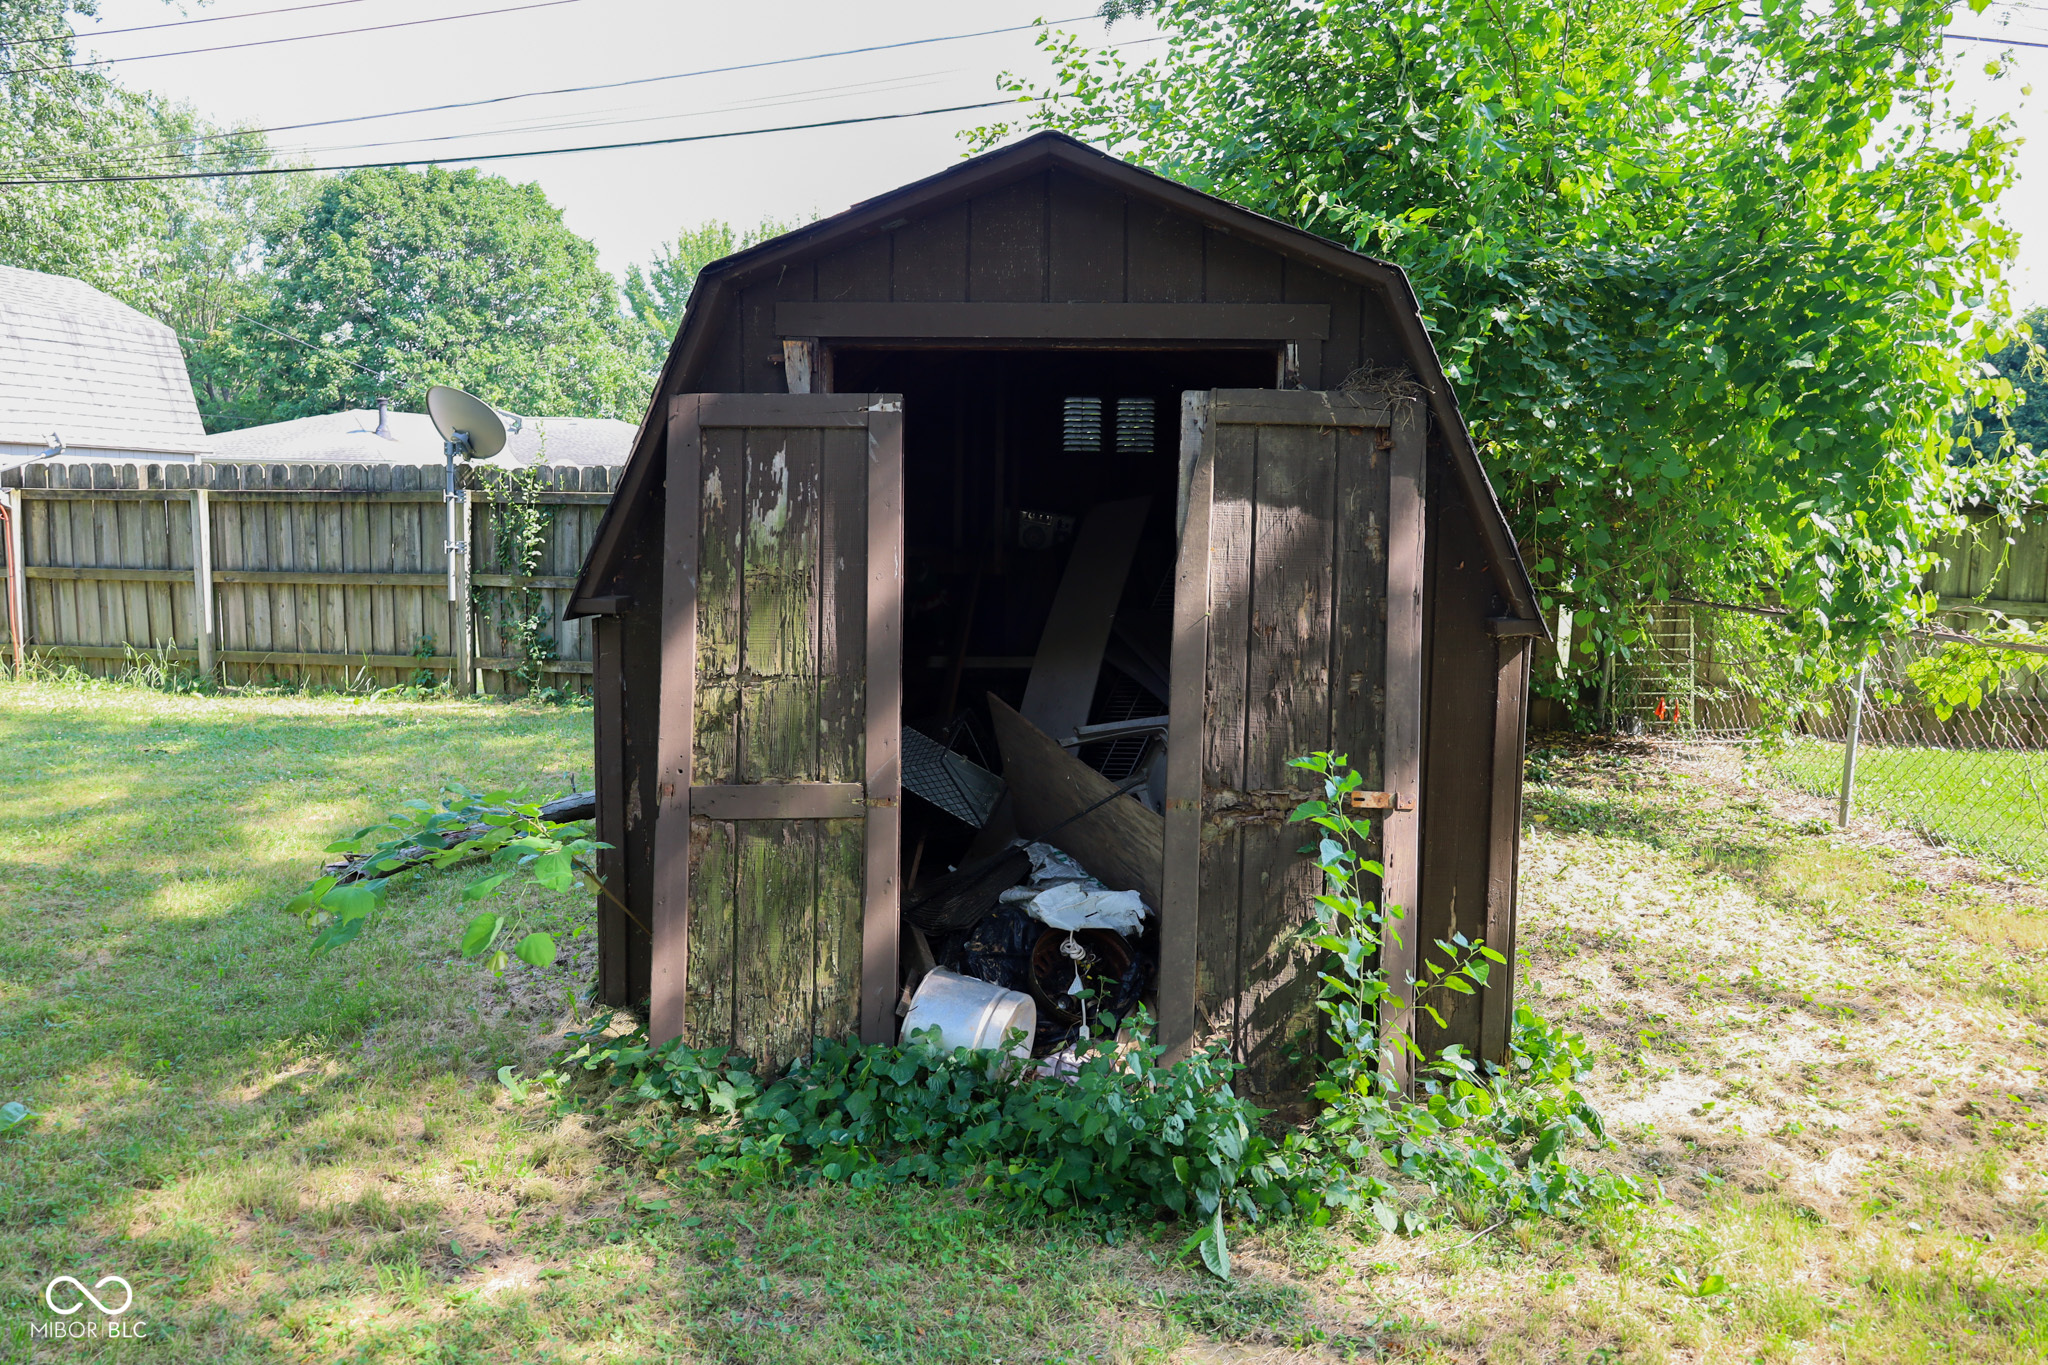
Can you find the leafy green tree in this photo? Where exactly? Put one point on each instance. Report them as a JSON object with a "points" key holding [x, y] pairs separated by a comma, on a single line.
{"points": [[187, 252], [138, 240], [657, 295], [2023, 363], [1713, 281], [396, 280]]}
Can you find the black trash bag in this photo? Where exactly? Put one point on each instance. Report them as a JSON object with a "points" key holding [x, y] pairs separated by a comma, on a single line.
{"points": [[962, 899], [998, 950]]}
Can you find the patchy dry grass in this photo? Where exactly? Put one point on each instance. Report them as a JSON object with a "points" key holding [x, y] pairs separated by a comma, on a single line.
{"points": [[1824, 1049]]}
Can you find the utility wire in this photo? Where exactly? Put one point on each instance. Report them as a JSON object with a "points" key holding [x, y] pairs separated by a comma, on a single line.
{"points": [[640, 80], [181, 23], [292, 38], [241, 172], [139, 159], [2001, 42]]}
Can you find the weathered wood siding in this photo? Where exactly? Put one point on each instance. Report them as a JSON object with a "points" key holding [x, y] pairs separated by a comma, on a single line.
{"points": [[1050, 237], [329, 575], [1461, 687]]}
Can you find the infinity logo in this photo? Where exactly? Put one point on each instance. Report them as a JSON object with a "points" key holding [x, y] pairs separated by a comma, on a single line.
{"points": [[50, 1296]]}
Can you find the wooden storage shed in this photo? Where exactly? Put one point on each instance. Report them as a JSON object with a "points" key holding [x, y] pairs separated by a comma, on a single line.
{"points": [[889, 447]]}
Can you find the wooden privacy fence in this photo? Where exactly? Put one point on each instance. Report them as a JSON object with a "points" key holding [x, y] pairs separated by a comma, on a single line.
{"points": [[329, 575]]}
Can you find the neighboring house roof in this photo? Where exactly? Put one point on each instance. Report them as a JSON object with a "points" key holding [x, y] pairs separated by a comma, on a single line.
{"points": [[351, 438], [84, 366], [723, 278]]}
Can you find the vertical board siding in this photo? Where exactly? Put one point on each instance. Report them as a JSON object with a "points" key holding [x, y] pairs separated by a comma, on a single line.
{"points": [[1232, 527], [305, 522], [928, 258], [857, 273], [1458, 769], [1235, 271], [721, 517], [1086, 241], [778, 739], [1006, 244], [1162, 256], [1287, 715]]}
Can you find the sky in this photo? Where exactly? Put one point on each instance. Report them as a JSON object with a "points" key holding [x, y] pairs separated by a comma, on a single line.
{"points": [[630, 201]]}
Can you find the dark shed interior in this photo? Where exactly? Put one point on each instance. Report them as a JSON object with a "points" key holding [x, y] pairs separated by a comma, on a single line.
{"points": [[1065, 356]]}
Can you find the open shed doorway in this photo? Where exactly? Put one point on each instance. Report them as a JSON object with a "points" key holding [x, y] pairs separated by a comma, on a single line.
{"points": [[1023, 468]]}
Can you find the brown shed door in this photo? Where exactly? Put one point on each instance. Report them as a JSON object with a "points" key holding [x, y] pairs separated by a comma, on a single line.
{"points": [[1297, 628], [775, 905]]}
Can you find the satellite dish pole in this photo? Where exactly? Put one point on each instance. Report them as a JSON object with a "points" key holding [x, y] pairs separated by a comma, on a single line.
{"points": [[470, 430]]}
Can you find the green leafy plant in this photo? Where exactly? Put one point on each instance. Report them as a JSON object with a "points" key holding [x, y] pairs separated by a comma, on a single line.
{"points": [[508, 829], [423, 676], [1128, 1135], [1961, 674], [13, 1114], [1121, 1134], [520, 525], [1714, 282], [1476, 1134]]}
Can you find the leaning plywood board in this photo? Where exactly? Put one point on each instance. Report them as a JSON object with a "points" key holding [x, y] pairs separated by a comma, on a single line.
{"points": [[1118, 842], [1069, 659]]}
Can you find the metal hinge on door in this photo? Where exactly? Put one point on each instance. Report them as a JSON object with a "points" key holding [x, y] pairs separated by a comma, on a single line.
{"points": [[1377, 803]]}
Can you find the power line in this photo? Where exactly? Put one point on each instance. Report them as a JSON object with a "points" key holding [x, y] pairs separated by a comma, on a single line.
{"points": [[293, 38], [639, 80], [509, 156], [182, 23], [142, 161], [2001, 42]]}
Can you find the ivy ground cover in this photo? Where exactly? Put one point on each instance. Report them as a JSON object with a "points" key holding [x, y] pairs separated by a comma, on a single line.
{"points": [[1827, 1052]]}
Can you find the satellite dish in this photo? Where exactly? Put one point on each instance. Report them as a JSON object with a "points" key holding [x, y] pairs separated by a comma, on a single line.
{"points": [[466, 421]]}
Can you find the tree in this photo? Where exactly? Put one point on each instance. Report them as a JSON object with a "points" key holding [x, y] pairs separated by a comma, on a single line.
{"points": [[658, 295], [392, 281], [1713, 285], [59, 122], [2023, 363], [187, 252]]}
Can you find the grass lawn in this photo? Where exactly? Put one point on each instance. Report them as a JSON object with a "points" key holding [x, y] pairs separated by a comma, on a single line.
{"points": [[1989, 801], [1826, 1057]]}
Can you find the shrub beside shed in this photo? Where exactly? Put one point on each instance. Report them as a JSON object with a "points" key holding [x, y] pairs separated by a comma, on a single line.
{"points": [[1049, 431]]}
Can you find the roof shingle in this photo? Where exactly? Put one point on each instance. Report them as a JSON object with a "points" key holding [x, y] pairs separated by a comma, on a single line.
{"points": [[82, 365]]}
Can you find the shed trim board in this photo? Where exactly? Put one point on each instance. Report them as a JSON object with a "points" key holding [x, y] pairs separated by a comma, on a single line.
{"points": [[1401, 831], [1510, 737], [712, 300], [1097, 322]]}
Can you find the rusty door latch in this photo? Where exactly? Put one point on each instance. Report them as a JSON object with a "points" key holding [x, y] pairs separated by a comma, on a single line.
{"points": [[1377, 803]]}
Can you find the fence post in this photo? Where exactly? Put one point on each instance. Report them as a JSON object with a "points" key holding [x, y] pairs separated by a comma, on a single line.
{"points": [[1607, 686], [202, 579], [1849, 749], [17, 581], [465, 657]]}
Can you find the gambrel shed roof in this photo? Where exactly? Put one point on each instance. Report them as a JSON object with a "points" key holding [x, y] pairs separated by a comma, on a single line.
{"points": [[81, 365], [1394, 315]]}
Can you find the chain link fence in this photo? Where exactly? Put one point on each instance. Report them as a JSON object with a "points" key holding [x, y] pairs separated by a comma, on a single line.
{"points": [[1974, 778]]}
